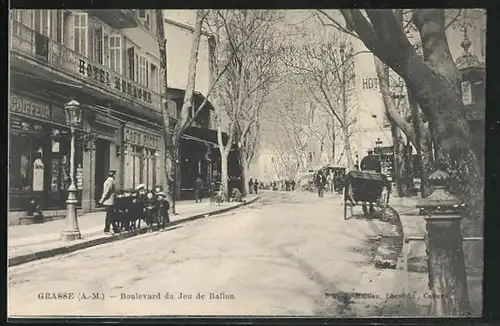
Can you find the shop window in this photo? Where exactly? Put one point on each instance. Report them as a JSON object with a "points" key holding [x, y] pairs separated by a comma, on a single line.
{"points": [[129, 171], [19, 163], [133, 167], [26, 163], [149, 168]]}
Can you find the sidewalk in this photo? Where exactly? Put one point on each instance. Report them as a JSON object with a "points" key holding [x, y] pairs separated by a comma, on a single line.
{"points": [[36, 241]]}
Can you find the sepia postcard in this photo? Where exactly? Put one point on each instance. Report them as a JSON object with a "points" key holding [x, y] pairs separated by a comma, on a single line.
{"points": [[209, 162]]}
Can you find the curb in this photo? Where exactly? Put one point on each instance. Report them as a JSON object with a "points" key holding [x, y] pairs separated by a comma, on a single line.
{"points": [[22, 259]]}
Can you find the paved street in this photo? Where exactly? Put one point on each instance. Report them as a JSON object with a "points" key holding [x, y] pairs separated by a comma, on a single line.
{"points": [[287, 254]]}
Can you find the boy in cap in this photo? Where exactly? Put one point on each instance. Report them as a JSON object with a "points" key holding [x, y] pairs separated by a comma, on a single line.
{"points": [[162, 210]]}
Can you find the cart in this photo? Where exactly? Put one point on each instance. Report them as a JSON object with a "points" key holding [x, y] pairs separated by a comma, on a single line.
{"points": [[366, 188]]}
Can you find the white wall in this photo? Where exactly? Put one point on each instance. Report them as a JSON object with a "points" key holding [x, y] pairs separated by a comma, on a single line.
{"points": [[179, 42]]}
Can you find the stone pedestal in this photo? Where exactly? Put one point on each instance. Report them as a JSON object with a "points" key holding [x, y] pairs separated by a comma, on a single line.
{"points": [[445, 255]]}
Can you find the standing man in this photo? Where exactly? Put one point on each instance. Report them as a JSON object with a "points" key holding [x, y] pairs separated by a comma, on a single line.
{"points": [[250, 186], [198, 187], [370, 163], [320, 183], [108, 200], [256, 186]]}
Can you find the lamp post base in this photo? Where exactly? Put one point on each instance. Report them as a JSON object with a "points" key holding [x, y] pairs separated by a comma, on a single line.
{"points": [[72, 231], [70, 235]]}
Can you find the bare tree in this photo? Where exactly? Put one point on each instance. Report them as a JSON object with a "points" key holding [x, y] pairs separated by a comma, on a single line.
{"points": [[188, 113], [327, 71], [251, 72]]}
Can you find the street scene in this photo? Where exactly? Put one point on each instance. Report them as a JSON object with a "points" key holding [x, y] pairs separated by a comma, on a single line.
{"points": [[206, 162], [255, 261]]}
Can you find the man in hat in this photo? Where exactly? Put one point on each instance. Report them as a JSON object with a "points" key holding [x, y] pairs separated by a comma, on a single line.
{"points": [[371, 163], [108, 200]]}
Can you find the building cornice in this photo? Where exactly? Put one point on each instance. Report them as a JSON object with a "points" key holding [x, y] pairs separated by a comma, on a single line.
{"points": [[186, 26]]}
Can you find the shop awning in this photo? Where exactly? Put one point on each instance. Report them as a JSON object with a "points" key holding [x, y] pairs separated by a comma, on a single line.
{"points": [[204, 135]]}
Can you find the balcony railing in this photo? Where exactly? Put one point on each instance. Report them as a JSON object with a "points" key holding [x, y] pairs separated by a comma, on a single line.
{"points": [[58, 56]]}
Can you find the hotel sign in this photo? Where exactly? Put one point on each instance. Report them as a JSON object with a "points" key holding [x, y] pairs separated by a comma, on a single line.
{"points": [[141, 139], [29, 108], [112, 80]]}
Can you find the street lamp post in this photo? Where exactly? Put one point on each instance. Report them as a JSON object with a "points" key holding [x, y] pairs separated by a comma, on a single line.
{"points": [[73, 118]]}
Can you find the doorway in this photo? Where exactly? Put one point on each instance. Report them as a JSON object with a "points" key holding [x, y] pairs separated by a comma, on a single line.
{"points": [[101, 166]]}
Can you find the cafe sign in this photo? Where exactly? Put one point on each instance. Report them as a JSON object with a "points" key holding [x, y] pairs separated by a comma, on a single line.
{"points": [[29, 108], [112, 80], [141, 139]]}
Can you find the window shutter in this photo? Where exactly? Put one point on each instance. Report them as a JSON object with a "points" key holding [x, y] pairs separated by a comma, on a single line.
{"points": [[136, 64], [142, 13], [93, 46], [147, 74], [131, 56]]}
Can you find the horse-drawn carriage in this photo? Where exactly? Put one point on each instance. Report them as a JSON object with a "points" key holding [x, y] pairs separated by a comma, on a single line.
{"points": [[366, 188]]}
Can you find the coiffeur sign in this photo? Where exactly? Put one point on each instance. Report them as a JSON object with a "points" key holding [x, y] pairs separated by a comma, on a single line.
{"points": [[29, 108]]}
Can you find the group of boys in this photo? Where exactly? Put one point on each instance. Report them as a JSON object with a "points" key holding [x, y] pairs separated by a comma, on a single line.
{"points": [[132, 206]]}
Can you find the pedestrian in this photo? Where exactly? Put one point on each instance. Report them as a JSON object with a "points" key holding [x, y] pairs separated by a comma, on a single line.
{"points": [[198, 187], [250, 186], [163, 207], [108, 200], [320, 183], [255, 186], [370, 163], [293, 185]]}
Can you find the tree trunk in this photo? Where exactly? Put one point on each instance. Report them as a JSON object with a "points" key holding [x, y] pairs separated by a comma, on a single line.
{"points": [[224, 173], [333, 142], [168, 159], [176, 173], [244, 173], [187, 105], [423, 146], [347, 149], [398, 149], [167, 135]]}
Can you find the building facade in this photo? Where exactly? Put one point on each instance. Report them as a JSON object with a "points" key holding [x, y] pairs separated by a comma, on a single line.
{"points": [[107, 60]]}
